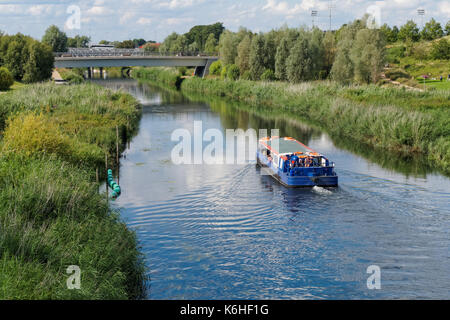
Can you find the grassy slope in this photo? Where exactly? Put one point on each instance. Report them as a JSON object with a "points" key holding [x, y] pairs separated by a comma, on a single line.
{"points": [[51, 215], [417, 67]]}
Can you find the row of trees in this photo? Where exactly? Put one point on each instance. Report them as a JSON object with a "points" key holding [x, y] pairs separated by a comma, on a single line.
{"points": [[27, 59], [199, 39], [355, 53], [59, 42], [411, 32]]}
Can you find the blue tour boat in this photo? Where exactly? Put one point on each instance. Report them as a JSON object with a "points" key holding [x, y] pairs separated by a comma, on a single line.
{"points": [[295, 165]]}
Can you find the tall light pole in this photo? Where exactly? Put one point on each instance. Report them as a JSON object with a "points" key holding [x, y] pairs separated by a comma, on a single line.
{"points": [[313, 15], [421, 13], [330, 7]]}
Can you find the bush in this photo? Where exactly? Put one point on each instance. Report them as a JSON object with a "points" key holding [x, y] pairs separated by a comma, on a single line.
{"points": [[233, 72], [36, 135], [223, 73], [246, 75], [395, 74], [441, 50], [6, 79], [216, 68], [182, 71], [268, 75], [394, 54], [72, 77]]}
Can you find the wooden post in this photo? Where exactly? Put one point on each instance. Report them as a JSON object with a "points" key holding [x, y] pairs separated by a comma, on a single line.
{"points": [[96, 175]]}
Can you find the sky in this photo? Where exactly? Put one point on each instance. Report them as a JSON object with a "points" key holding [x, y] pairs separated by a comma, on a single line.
{"points": [[155, 19]]}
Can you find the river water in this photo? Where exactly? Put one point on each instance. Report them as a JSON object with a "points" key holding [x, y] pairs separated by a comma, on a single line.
{"points": [[228, 232]]}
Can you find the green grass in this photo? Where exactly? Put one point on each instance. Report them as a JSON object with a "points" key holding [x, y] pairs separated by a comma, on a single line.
{"points": [[51, 213], [437, 84]]}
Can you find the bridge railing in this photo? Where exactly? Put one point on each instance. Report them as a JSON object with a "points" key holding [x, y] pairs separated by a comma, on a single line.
{"points": [[74, 52]]}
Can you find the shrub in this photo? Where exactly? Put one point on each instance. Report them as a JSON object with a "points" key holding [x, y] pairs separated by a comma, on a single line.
{"points": [[395, 74], [6, 79], [182, 71], [395, 53], [268, 75], [223, 73], [246, 75], [72, 77], [216, 68], [34, 135], [441, 50], [233, 72]]}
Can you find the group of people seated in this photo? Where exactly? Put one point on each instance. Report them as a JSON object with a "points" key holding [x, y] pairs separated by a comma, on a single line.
{"points": [[305, 161]]}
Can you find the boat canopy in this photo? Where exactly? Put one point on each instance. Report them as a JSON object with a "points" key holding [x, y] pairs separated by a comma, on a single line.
{"points": [[284, 145]]}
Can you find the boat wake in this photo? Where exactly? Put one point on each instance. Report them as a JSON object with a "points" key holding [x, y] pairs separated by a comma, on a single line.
{"points": [[321, 190]]}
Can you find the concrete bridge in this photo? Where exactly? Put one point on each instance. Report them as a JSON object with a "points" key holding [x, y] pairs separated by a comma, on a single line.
{"points": [[104, 58]]}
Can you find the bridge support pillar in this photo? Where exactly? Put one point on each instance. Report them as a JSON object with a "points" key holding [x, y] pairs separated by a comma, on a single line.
{"points": [[204, 70], [89, 73], [101, 72]]}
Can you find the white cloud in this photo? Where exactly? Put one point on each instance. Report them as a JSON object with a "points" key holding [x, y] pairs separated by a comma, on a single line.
{"points": [[99, 11], [178, 21], [144, 21]]}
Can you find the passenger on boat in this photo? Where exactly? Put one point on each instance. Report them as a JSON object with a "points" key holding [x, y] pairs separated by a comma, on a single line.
{"points": [[308, 162]]}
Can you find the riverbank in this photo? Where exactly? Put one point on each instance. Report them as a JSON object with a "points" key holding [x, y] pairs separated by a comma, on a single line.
{"points": [[397, 120], [54, 139]]}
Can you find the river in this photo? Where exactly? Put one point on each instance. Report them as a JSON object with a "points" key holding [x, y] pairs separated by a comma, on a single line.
{"points": [[228, 232]]}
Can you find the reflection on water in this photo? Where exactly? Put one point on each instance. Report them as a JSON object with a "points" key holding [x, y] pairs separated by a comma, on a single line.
{"points": [[227, 232]]}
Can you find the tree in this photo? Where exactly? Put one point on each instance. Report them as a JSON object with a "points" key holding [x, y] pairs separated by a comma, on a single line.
{"points": [[257, 59], [243, 57], [432, 30], [390, 35], [268, 75], [281, 58], [316, 51], [180, 45], [367, 55], [270, 50], [441, 50], [299, 62], [211, 44], [216, 68], [6, 79], [13, 58], [233, 72], [200, 34], [55, 38], [329, 48], [447, 28], [127, 44], [139, 42], [342, 70], [39, 64], [78, 42], [168, 44], [227, 48], [193, 48], [409, 31]]}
